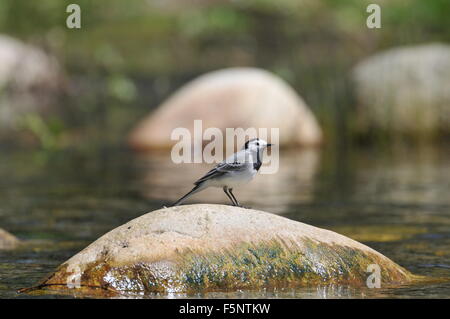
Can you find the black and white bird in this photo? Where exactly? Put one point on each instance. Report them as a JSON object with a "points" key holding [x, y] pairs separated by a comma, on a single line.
{"points": [[238, 169]]}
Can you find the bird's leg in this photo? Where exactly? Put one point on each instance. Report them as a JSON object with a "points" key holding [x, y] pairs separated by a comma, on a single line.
{"points": [[234, 198], [225, 189]]}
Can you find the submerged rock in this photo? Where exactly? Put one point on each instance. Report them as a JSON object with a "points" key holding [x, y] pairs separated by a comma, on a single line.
{"points": [[8, 241], [216, 247], [231, 98], [405, 90]]}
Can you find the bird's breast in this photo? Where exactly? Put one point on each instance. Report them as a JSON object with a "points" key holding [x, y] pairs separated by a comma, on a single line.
{"points": [[241, 178]]}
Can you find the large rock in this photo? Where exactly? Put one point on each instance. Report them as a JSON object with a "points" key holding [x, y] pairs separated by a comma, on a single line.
{"points": [[29, 80], [7, 240], [405, 90], [231, 98], [216, 247]]}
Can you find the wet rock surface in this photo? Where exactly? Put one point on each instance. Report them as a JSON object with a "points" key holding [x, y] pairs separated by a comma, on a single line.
{"points": [[217, 248]]}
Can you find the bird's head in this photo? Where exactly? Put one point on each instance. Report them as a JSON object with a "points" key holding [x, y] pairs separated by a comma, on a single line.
{"points": [[256, 145]]}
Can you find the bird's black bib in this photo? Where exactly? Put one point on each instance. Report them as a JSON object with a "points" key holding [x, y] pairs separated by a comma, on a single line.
{"points": [[258, 163]]}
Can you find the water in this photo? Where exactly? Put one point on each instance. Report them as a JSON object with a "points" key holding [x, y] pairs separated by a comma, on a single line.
{"points": [[396, 201]]}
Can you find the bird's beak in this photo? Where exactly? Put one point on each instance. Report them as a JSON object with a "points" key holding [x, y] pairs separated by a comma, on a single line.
{"points": [[268, 145]]}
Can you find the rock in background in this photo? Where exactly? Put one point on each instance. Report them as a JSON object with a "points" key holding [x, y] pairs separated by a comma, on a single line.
{"points": [[7, 240], [231, 98], [405, 90], [29, 81]]}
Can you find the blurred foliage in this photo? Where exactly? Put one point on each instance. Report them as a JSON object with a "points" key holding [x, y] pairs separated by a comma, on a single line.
{"points": [[47, 132], [136, 52]]}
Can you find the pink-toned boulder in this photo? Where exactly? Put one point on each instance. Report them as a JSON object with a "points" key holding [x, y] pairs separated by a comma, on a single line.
{"points": [[231, 98]]}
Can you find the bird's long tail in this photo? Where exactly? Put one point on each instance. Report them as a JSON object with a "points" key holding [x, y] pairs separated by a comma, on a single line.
{"points": [[196, 189]]}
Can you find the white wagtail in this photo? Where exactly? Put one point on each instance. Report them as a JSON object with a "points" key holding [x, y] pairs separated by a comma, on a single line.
{"points": [[239, 168]]}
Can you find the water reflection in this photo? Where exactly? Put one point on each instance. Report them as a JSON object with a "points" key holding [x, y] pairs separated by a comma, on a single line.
{"points": [[404, 176]]}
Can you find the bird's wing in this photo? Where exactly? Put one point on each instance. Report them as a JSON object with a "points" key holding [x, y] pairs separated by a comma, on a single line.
{"points": [[240, 157], [223, 168]]}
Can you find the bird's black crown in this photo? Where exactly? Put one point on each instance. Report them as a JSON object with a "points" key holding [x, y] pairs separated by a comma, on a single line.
{"points": [[246, 143]]}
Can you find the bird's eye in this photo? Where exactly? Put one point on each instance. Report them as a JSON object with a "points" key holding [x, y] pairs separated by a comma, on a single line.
{"points": [[257, 144]]}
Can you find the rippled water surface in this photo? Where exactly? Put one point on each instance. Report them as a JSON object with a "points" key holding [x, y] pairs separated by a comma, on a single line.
{"points": [[397, 202]]}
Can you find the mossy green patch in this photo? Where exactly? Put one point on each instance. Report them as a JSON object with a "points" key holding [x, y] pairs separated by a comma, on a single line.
{"points": [[274, 263]]}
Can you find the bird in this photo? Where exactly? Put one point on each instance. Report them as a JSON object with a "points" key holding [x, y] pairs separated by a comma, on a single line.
{"points": [[239, 168]]}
